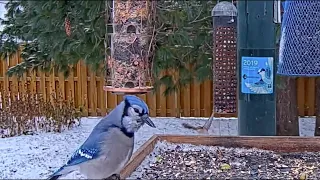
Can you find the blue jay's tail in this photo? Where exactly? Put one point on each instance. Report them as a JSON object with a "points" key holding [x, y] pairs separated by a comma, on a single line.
{"points": [[54, 177]]}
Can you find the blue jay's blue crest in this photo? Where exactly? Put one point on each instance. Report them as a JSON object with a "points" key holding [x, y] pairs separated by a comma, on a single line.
{"points": [[134, 100]]}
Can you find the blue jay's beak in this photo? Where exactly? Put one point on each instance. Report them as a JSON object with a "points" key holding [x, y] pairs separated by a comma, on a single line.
{"points": [[148, 121]]}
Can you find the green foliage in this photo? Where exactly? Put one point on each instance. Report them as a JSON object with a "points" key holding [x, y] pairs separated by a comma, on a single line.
{"points": [[183, 42], [183, 37], [40, 25]]}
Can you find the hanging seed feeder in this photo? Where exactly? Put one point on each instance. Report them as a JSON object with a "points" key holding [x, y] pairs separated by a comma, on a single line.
{"points": [[129, 65], [300, 39], [224, 16]]}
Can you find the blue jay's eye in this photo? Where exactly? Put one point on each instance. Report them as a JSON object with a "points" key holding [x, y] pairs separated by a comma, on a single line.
{"points": [[136, 110]]}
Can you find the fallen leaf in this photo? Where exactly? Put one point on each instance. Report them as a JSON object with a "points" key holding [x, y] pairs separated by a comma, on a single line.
{"points": [[303, 176], [159, 158], [225, 166]]}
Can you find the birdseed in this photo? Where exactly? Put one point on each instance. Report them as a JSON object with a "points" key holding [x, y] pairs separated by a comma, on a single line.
{"points": [[186, 161]]}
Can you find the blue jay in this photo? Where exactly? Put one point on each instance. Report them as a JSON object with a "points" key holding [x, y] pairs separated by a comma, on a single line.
{"points": [[110, 144]]}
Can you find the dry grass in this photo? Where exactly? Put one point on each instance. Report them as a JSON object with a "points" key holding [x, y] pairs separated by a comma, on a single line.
{"points": [[30, 113]]}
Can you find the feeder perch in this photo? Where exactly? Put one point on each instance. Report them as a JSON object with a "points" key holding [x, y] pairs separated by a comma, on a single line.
{"points": [[300, 39], [224, 58], [129, 65]]}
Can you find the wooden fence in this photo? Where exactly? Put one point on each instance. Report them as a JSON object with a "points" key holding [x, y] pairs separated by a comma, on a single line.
{"points": [[86, 89]]}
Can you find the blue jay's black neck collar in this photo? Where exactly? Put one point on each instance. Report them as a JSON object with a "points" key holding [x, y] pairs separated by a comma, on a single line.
{"points": [[124, 131]]}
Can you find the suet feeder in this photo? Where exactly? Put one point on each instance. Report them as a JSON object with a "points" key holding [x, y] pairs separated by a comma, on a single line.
{"points": [[129, 65], [300, 39], [224, 58]]}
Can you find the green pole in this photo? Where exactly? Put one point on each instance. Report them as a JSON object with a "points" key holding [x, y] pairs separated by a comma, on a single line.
{"points": [[256, 68]]}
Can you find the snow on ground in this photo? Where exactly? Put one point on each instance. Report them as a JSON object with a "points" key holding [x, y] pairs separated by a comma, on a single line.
{"points": [[37, 156]]}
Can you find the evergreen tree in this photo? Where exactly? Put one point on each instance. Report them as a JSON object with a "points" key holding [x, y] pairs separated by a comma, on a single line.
{"points": [[183, 37]]}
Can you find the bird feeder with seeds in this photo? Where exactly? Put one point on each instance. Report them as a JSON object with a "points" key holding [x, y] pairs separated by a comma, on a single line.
{"points": [[300, 39], [224, 58], [129, 65]]}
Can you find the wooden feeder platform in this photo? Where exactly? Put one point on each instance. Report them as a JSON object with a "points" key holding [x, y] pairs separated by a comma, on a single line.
{"points": [[273, 143], [137, 90]]}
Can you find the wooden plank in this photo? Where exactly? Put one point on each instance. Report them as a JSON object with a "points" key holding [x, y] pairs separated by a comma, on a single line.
{"points": [[162, 98], [274, 143], [79, 85], [93, 93], [138, 157], [15, 80], [52, 86], [62, 88], [177, 95], [310, 96], [301, 96], [102, 96], [4, 71], [206, 98], [43, 86], [186, 101], [112, 101], [84, 88], [33, 83], [152, 103], [23, 80], [196, 101], [71, 92]]}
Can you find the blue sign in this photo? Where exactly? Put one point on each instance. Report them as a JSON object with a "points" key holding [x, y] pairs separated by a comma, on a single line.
{"points": [[257, 75]]}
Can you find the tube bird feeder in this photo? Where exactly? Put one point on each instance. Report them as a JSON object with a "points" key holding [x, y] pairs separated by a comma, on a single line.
{"points": [[224, 16], [129, 65]]}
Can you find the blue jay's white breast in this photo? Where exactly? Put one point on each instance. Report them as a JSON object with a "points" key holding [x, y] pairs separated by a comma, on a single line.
{"points": [[116, 151]]}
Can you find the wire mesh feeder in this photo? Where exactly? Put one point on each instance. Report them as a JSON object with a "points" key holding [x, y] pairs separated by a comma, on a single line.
{"points": [[300, 39], [225, 57], [131, 44]]}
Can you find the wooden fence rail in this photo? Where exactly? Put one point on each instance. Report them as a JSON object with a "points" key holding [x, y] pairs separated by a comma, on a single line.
{"points": [[85, 88]]}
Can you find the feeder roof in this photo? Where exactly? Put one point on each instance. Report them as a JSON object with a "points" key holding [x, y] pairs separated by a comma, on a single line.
{"points": [[224, 8]]}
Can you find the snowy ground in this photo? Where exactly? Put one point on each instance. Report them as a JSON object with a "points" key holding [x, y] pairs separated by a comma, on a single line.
{"points": [[37, 156]]}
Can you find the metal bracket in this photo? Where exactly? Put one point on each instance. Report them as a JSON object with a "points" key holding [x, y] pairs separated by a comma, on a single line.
{"points": [[277, 11]]}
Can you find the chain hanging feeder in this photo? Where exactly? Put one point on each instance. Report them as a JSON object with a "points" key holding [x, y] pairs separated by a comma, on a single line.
{"points": [[131, 44], [224, 58]]}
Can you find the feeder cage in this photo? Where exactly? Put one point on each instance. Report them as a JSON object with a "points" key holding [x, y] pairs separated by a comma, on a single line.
{"points": [[300, 39], [224, 58], [129, 65]]}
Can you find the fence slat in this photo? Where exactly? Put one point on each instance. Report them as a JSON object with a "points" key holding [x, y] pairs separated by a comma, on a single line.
{"points": [[5, 77], [93, 93], [152, 103], [52, 86], [162, 99], [84, 87], [196, 93], [15, 88], [62, 88], [310, 96], [71, 93], [301, 96]]}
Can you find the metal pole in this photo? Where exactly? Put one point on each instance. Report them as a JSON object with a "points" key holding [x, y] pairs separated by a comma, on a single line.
{"points": [[256, 68]]}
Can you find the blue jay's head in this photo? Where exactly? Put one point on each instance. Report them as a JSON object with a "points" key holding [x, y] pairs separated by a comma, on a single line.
{"points": [[261, 70], [135, 114]]}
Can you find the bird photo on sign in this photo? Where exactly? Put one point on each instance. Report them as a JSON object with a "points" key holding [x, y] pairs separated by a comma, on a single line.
{"points": [[257, 75]]}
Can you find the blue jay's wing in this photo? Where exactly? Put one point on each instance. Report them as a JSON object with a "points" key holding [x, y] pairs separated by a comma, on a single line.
{"points": [[259, 88], [82, 155]]}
